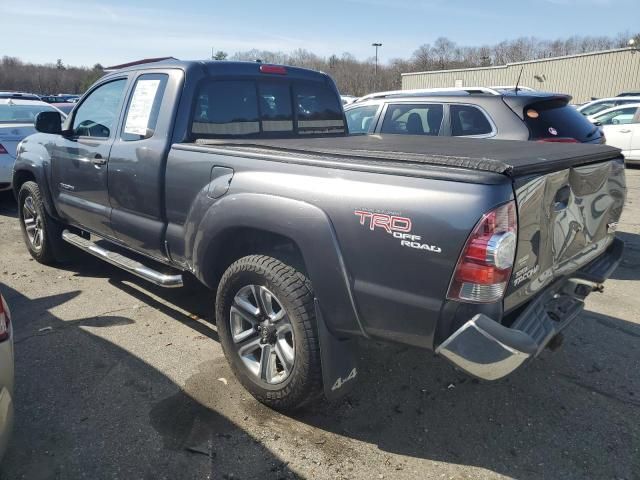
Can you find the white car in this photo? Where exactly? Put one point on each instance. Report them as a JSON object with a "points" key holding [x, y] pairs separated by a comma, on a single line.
{"points": [[621, 126], [596, 106], [16, 122], [6, 376]]}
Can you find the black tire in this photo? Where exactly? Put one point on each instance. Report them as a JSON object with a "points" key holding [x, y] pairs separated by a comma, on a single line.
{"points": [[48, 250], [293, 290]]}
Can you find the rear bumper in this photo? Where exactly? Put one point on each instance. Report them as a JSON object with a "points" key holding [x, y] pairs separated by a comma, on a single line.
{"points": [[488, 350]]}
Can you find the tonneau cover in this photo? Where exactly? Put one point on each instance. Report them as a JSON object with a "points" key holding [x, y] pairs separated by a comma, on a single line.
{"points": [[512, 158]]}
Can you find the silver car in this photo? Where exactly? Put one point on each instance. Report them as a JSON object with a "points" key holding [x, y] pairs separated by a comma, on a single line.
{"points": [[16, 122], [6, 375]]}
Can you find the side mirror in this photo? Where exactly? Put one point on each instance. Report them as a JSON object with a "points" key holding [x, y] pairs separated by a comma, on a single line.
{"points": [[49, 122], [597, 123]]}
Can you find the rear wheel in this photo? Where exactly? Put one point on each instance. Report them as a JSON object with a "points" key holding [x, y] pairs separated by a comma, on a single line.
{"points": [[42, 234], [266, 320]]}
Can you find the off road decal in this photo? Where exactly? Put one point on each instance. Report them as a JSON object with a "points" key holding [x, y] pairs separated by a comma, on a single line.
{"points": [[397, 226]]}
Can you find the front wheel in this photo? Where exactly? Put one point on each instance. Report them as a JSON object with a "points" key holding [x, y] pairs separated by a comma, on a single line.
{"points": [[266, 320], [42, 234]]}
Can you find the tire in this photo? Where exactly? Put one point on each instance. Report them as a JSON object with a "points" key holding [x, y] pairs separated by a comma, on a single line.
{"points": [[42, 234], [249, 294]]}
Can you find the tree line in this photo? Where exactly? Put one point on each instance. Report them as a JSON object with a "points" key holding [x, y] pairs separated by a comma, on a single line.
{"points": [[352, 76]]}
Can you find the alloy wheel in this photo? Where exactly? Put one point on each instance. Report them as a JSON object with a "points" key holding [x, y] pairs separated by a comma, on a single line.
{"points": [[262, 334]]}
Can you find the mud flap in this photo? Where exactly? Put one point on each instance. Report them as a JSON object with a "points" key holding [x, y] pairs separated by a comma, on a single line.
{"points": [[339, 360]]}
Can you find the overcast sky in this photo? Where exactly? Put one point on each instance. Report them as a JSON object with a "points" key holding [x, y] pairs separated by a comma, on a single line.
{"points": [[113, 31]]}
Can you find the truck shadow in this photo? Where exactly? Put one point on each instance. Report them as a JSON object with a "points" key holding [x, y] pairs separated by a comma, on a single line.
{"points": [[86, 408], [570, 414], [8, 205], [629, 268]]}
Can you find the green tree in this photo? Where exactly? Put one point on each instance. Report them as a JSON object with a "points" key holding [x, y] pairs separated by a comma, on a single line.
{"points": [[220, 55]]}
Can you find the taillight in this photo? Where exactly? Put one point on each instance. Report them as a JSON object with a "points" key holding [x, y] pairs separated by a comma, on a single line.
{"points": [[5, 319], [2, 149], [277, 69], [558, 140], [485, 264]]}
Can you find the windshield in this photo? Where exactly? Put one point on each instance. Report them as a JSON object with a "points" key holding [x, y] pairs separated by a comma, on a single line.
{"points": [[12, 113]]}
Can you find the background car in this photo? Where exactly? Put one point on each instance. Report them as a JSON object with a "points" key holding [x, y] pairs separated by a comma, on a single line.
{"points": [[16, 122], [634, 93], [6, 375], [621, 126], [347, 99], [473, 112], [19, 95], [595, 106]]}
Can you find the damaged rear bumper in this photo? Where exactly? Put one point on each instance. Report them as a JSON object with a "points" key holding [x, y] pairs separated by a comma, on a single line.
{"points": [[489, 350]]}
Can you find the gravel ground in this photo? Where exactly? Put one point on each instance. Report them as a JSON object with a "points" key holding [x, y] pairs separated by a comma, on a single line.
{"points": [[117, 379]]}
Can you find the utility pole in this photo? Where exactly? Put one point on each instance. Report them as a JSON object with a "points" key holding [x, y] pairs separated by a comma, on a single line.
{"points": [[375, 77], [211, 53]]}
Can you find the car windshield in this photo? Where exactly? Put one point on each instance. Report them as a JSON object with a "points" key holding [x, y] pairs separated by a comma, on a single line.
{"points": [[12, 113]]}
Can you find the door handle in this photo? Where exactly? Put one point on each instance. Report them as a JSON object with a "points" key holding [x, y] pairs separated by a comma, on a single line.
{"points": [[625, 131], [98, 160]]}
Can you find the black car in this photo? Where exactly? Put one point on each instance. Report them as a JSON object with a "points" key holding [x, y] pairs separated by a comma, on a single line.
{"points": [[503, 114]]}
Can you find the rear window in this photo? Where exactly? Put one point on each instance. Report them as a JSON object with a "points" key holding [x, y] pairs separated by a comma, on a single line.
{"points": [[270, 107], [556, 119]]}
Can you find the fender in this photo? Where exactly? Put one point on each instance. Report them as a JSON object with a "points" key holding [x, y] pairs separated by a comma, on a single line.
{"points": [[307, 225], [35, 159]]}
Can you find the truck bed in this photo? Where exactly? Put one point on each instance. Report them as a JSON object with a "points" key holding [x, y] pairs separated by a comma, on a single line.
{"points": [[505, 157]]}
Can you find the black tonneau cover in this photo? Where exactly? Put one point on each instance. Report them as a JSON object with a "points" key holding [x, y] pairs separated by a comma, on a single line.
{"points": [[512, 158]]}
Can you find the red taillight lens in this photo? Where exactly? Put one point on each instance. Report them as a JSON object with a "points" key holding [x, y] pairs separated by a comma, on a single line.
{"points": [[485, 264], [5, 319], [277, 69], [2, 149], [558, 140]]}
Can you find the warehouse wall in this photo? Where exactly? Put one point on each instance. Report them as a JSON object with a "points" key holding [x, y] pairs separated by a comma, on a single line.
{"points": [[598, 74]]}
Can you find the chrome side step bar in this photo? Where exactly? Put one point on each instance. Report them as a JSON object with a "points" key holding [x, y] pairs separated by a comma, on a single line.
{"points": [[131, 266]]}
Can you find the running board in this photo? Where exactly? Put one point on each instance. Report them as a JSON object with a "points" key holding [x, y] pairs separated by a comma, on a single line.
{"points": [[131, 266]]}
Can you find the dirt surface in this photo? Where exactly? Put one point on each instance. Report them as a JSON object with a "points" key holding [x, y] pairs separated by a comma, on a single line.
{"points": [[117, 379]]}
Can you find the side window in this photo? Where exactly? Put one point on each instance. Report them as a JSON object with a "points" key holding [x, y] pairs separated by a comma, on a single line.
{"points": [[618, 117], [226, 108], [361, 119], [419, 119], [467, 120], [141, 116], [98, 113]]}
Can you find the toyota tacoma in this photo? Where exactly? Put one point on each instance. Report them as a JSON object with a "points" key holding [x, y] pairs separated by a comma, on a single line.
{"points": [[243, 176]]}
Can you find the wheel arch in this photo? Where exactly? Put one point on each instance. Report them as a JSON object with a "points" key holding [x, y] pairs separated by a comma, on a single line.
{"points": [[249, 223]]}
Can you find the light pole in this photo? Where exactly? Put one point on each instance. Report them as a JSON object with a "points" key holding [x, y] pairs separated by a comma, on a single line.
{"points": [[376, 45], [375, 76]]}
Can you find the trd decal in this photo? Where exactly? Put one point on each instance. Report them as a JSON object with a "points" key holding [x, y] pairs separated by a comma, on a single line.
{"points": [[399, 227]]}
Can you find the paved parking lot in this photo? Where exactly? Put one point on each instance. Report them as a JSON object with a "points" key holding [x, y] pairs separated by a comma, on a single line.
{"points": [[119, 379]]}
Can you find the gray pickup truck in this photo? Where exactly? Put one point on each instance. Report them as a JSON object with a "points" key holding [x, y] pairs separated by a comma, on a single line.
{"points": [[243, 176]]}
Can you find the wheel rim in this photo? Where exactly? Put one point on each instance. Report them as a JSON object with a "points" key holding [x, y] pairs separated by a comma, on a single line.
{"points": [[32, 223], [262, 334]]}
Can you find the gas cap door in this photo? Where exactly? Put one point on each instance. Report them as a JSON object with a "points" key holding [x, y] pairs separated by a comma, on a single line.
{"points": [[220, 181]]}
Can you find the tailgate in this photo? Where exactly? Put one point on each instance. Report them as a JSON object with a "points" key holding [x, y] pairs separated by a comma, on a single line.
{"points": [[566, 219]]}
